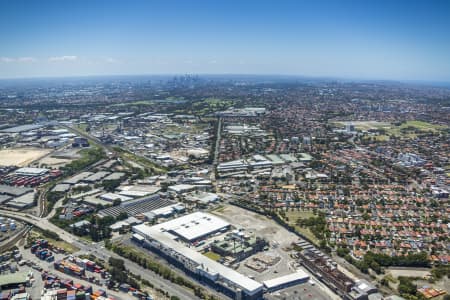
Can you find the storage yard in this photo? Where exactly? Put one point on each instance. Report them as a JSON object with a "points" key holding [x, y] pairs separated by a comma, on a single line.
{"points": [[21, 156], [45, 272]]}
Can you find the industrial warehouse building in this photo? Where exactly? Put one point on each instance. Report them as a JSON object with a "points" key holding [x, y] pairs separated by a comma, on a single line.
{"points": [[193, 227], [163, 239], [14, 280], [286, 281], [31, 171], [136, 206]]}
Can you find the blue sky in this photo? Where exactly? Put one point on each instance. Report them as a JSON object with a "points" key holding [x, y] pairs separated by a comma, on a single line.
{"points": [[392, 39]]}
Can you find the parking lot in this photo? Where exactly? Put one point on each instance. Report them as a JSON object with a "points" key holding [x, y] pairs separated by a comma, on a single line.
{"points": [[304, 291]]}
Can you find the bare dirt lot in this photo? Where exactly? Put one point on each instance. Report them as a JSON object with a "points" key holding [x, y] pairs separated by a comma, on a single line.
{"points": [[54, 162], [279, 239], [21, 156], [61, 158], [257, 224]]}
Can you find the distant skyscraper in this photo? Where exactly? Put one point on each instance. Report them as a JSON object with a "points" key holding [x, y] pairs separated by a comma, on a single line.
{"points": [[350, 127], [307, 140]]}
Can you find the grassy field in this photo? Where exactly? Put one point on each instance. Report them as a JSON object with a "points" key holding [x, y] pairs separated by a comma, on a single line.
{"points": [[61, 244], [81, 126], [212, 255], [419, 125], [294, 216], [408, 129], [126, 155], [363, 125], [141, 102]]}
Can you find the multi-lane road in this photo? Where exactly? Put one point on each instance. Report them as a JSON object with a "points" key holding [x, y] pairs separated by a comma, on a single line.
{"points": [[105, 254]]}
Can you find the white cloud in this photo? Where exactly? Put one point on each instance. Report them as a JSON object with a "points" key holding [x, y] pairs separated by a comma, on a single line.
{"points": [[25, 59], [189, 62], [7, 59], [63, 58], [111, 60], [212, 62]]}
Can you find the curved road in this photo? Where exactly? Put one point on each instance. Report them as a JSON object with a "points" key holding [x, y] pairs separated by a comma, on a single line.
{"points": [[156, 280]]}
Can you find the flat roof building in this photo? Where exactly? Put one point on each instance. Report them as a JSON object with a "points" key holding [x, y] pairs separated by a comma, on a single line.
{"points": [[22, 202], [13, 280], [193, 227], [163, 239], [31, 171], [13, 190], [61, 188], [285, 281], [181, 188], [21, 128], [96, 177], [77, 178]]}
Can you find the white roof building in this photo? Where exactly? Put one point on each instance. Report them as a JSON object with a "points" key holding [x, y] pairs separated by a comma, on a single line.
{"points": [[31, 171], [285, 281], [162, 236], [193, 226]]}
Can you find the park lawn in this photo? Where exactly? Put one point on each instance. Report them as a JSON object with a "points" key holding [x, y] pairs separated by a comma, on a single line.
{"points": [[391, 129], [142, 102], [425, 126], [82, 126], [219, 102], [212, 255], [173, 98], [419, 125], [294, 215], [381, 138]]}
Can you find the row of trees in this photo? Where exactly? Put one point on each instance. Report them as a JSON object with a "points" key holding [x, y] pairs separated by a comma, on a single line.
{"points": [[160, 269], [317, 225], [377, 261], [119, 273], [89, 156]]}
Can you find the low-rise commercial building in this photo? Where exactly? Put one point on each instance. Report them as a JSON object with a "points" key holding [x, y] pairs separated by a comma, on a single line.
{"points": [[162, 239], [286, 281]]}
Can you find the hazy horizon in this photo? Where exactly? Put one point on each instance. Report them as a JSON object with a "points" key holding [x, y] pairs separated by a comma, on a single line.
{"points": [[350, 40]]}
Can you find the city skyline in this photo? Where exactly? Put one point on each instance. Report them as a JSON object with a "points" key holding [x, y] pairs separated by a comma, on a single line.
{"points": [[401, 40]]}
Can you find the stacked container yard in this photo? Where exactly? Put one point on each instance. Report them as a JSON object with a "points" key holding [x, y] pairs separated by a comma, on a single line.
{"points": [[71, 295], [61, 294], [69, 268], [99, 294], [5, 295]]}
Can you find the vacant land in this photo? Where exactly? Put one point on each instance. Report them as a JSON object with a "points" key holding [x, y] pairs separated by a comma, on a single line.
{"points": [[21, 156], [35, 235], [212, 255], [130, 157], [293, 216], [54, 162], [256, 224]]}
